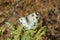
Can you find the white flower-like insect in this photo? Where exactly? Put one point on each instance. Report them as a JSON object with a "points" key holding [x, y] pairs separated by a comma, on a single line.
{"points": [[29, 21]]}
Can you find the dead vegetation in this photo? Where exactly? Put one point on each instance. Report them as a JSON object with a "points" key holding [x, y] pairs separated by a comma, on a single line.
{"points": [[11, 10]]}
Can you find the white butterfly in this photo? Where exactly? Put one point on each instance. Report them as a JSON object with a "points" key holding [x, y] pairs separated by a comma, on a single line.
{"points": [[29, 21]]}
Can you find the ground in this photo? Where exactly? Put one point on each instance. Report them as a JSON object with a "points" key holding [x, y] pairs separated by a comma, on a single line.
{"points": [[11, 10]]}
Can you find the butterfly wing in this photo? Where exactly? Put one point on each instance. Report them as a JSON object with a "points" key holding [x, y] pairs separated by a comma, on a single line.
{"points": [[24, 23], [33, 18]]}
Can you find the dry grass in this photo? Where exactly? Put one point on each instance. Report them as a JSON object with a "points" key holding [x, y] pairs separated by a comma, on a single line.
{"points": [[11, 10]]}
